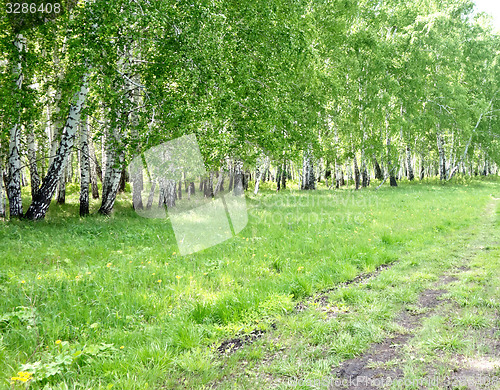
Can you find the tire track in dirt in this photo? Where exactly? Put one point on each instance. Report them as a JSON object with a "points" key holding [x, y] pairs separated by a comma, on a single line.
{"points": [[227, 347], [363, 371], [371, 370]]}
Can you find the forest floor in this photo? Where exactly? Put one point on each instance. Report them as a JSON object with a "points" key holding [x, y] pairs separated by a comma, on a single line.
{"points": [[451, 336], [444, 334], [322, 290]]}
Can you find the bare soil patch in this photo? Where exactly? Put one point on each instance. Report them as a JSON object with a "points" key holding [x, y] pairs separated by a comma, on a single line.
{"points": [[366, 371]]}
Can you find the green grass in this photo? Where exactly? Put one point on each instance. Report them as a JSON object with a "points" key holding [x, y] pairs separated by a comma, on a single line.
{"points": [[130, 312], [462, 335]]}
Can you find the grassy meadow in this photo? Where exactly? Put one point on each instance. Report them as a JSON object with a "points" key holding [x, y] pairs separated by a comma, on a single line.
{"points": [[107, 302]]}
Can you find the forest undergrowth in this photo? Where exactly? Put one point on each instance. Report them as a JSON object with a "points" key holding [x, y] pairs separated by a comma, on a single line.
{"points": [[107, 301]]}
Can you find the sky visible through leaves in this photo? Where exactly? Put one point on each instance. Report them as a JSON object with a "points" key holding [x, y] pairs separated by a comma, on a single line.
{"points": [[491, 7]]}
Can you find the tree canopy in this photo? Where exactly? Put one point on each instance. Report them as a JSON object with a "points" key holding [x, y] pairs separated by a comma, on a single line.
{"points": [[378, 88]]}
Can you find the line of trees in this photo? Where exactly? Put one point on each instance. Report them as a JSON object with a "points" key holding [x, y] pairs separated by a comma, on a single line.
{"points": [[333, 88]]}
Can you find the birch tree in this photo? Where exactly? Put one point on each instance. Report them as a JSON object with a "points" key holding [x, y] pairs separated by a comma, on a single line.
{"points": [[14, 166], [41, 202], [84, 168]]}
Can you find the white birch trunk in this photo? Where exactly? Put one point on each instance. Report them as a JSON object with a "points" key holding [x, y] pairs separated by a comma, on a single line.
{"points": [[409, 165], [220, 183], [61, 188], [3, 212], [284, 174], [390, 169], [442, 158], [451, 156], [55, 129], [112, 175], [261, 169], [84, 169], [14, 182], [210, 183], [171, 186], [238, 178], [137, 186], [111, 186], [336, 168], [41, 203], [162, 188], [422, 167], [136, 171], [35, 178], [356, 172], [364, 171], [308, 180], [93, 165], [104, 156], [151, 195]]}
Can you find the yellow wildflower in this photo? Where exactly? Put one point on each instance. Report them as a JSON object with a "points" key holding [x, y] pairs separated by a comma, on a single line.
{"points": [[159, 280], [300, 268], [58, 342], [178, 277], [22, 281], [22, 376], [109, 265], [122, 347]]}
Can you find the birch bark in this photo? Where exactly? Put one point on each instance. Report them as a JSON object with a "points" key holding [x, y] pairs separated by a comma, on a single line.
{"points": [[220, 183], [34, 176], [283, 176], [390, 169], [308, 180], [442, 158], [238, 179], [93, 166], [411, 176], [2, 193], [41, 202], [260, 170], [113, 173], [356, 172], [14, 168], [84, 168]]}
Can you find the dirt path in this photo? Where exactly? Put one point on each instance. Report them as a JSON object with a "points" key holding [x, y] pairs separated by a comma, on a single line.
{"points": [[379, 366], [388, 361], [228, 347], [368, 370]]}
